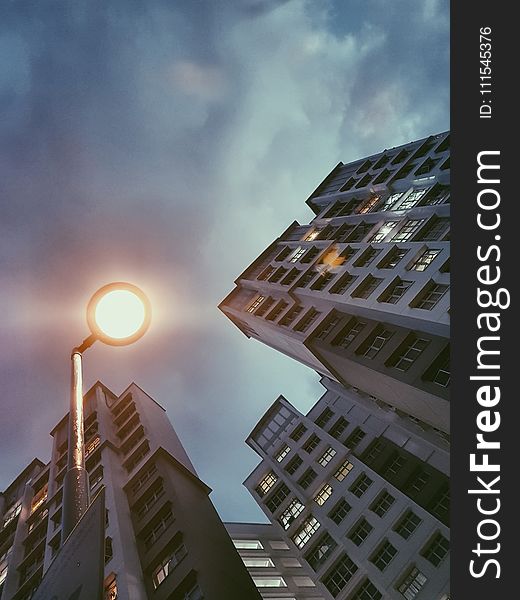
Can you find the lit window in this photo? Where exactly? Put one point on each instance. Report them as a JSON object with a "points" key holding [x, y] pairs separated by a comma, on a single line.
{"points": [[256, 303], [266, 483], [306, 531], [343, 470], [424, 260], [293, 511], [283, 452], [407, 230], [368, 205], [258, 562], [383, 231], [168, 564], [327, 456], [323, 495], [262, 582], [248, 544], [412, 584], [412, 199], [298, 253], [12, 513], [391, 201], [92, 446]]}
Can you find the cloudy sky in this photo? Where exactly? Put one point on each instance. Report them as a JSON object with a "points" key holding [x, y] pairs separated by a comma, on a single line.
{"points": [[168, 143]]}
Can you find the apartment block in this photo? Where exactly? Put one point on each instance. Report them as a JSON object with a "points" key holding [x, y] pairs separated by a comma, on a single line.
{"points": [[164, 539], [360, 492], [361, 293]]}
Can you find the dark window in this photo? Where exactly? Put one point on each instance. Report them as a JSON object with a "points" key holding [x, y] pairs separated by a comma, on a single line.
{"points": [[430, 296], [319, 553], [345, 281], [298, 431], [367, 286], [290, 277], [384, 555], [293, 465], [277, 310], [307, 478], [360, 532], [367, 257], [392, 258], [407, 524], [291, 315], [309, 318], [310, 255], [439, 371], [361, 485], [312, 443], [408, 352], [324, 417], [360, 232], [372, 346], [284, 253], [338, 428], [395, 291], [382, 504], [326, 327], [277, 497], [340, 511], [435, 229], [367, 591], [354, 438], [349, 333], [278, 274], [339, 576], [437, 548]]}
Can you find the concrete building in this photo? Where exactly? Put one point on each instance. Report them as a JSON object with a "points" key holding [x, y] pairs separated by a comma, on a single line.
{"points": [[361, 293], [361, 494], [164, 539], [275, 567]]}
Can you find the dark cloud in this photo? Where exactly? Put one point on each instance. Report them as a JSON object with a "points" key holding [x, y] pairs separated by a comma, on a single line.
{"points": [[168, 144]]}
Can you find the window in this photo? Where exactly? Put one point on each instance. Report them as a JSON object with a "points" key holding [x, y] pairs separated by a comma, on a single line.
{"points": [[326, 328], [375, 342], [367, 286], [324, 417], [255, 304], [435, 229], [297, 254], [392, 258], [340, 511], [412, 584], [439, 371], [312, 443], [393, 467], [340, 574], [168, 564], [408, 353], [343, 470], [266, 483], [311, 315], [290, 277], [360, 532], [283, 452], [367, 257], [345, 281], [158, 528], [91, 446], [407, 524], [361, 485], [391, 201], [143, 478], [286, 250], [273, 581], [291, 314], [95, 478], [430, 296], [395, 291], [310, 255], [109, 551], [382, 504], [318, 555], [257, 562], [407, 230], [266, 273], [338, 428], [439, 194], [436, 550], [418, 482], [248, 544], [441, 506], [277, 310], [322, 281], [412, 199], [293, 465], [327, 456], [307, 478], [360, 232], [292, 512], [384, 555], [368, 205], [149, 500], [373, 452], [354, 438], [264, 307], [324, 493], [367, 591], [299, 430], [307, 278], [307, 530], [383, 231], [347, 254], [424, 260], [277, 497]]}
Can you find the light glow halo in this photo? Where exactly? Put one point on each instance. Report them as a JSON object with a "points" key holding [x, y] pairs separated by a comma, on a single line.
{"points": [[119, 314]]}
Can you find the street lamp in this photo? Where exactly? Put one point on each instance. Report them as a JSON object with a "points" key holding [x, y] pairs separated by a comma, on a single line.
{"points": [[118, 314]]}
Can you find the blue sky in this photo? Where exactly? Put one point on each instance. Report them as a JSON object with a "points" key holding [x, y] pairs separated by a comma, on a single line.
{"points": [[168, 144]]}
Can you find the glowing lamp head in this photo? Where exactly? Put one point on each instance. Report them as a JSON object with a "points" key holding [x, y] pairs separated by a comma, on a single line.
{"points": [[119, 314]]}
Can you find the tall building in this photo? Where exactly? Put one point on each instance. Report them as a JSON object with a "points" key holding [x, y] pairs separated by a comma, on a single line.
{"points": [[361, 293], [360, 493], [275, 567], [164, 539]]}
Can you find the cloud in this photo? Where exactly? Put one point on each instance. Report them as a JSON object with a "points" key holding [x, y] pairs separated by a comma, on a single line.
{"points": [[168, 145]]}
